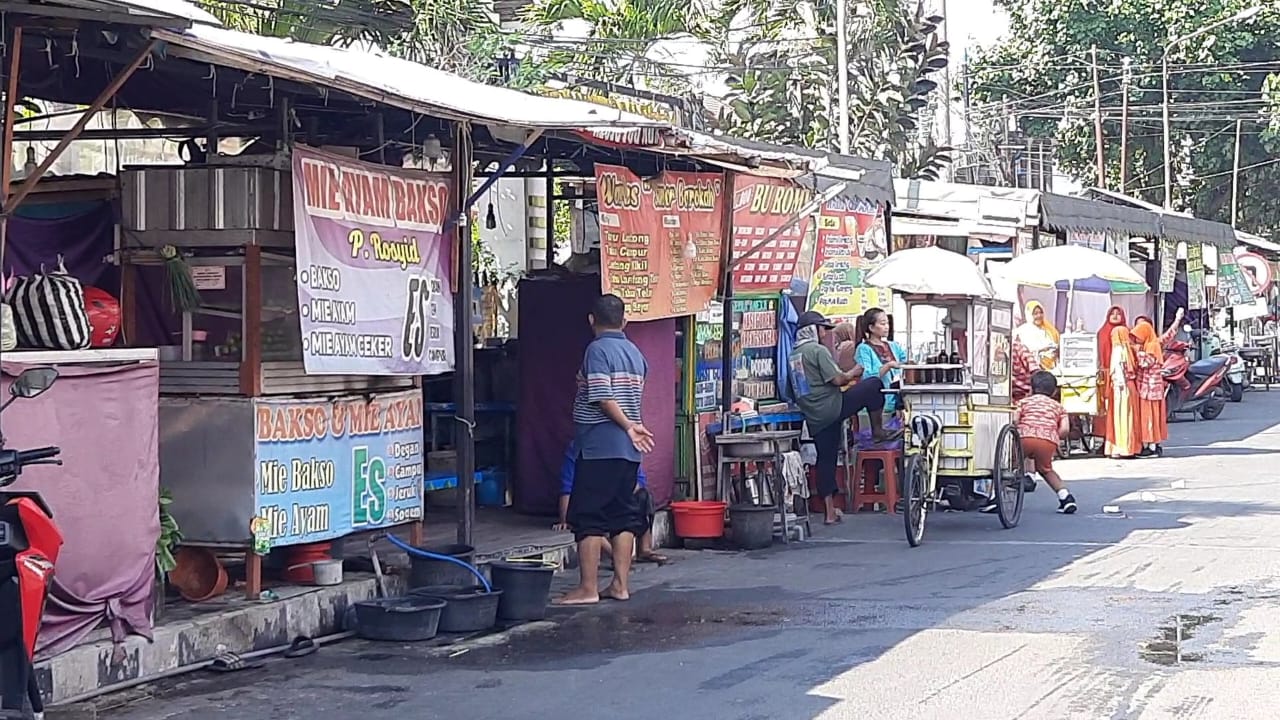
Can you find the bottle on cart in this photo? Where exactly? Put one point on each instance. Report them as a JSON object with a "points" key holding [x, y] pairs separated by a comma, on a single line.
{"points": [[939, 373], [957, 372]]}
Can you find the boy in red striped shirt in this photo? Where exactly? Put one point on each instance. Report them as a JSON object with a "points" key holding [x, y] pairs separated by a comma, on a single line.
{"points": [[1042, 423]]}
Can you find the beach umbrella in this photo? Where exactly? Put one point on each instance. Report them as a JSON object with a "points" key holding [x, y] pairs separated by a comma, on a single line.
{"points": [[1073, 266], [931, 271]]}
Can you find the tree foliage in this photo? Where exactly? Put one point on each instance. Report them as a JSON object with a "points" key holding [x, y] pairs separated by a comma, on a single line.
{"points": [[778, 58], [459, 36], [1041, 76]]}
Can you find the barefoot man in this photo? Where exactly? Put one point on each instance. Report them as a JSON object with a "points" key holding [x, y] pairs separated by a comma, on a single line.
{"points": [[603, 505]]}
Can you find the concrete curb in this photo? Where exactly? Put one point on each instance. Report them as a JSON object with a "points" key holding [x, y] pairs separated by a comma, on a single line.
{"points": [[103, 667], [313, 612]]}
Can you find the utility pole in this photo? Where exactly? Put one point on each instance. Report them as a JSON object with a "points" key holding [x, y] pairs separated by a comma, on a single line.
{"points": [[1097, 121], [1124, 127], [1235, 177], [946, 79], [968, 101], [842, 68]]}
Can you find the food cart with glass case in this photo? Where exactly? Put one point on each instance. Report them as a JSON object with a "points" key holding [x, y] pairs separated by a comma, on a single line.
{"points": [[962, 450]]}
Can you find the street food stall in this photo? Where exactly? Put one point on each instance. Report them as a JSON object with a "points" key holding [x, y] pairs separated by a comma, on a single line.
{"points": [[962, 448], [289, 412]]}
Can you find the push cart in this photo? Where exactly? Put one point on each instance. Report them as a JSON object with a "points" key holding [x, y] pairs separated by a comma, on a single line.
{"points": [[962, 447], [1078, 384]]}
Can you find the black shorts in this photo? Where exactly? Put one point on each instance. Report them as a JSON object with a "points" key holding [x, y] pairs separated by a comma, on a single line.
{"points": [[603, 502]]}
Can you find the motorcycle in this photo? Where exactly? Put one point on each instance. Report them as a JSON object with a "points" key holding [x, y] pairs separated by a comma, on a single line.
{"points": [[29, 546], [1194, 387], [1237, 379]]}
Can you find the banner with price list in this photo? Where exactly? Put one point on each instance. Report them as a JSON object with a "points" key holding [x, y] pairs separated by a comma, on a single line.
{"points": [[660, 240], [327, 468], [373, 264]]}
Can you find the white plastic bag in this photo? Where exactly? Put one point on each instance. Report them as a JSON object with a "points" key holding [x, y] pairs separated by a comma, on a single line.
{"points": [[8, 332]]}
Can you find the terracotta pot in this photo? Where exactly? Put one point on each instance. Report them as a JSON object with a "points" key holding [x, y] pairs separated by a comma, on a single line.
{"points": [[198, 576]]}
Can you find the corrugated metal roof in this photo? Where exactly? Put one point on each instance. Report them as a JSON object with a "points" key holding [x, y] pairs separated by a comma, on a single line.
{"points": [[974, 205], [1064, 212], [1182, 227], [394, 81]]}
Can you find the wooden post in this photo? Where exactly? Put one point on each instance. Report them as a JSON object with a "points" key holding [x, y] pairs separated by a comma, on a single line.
{"points": [[1097, 121], [10, 117], [464, 388], [251, 343]]}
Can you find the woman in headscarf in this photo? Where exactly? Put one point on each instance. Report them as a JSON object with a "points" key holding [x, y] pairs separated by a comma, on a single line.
{"points": [[1115, 318], [1039, 335], [845, 337], [1151, 425], [1121, 373]]}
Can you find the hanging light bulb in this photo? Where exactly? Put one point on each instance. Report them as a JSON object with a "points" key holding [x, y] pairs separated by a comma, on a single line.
{"points": [[29, 167], [490, 219]]}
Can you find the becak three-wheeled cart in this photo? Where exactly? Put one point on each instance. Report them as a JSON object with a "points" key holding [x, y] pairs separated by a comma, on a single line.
{"points": [[962, 450]]}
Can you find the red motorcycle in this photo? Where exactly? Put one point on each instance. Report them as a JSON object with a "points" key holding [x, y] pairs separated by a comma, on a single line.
{"points": [[29, 545], [1194, 386]]}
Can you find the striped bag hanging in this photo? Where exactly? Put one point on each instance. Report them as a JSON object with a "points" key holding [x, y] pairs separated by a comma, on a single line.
{"points": [[49, 311]]}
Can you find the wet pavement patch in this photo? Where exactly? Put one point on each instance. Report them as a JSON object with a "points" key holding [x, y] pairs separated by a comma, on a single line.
{"points": [[1169, 646]]}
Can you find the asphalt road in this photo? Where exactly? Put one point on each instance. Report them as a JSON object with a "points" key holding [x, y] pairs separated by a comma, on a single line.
{"points": [[1165, 611]]}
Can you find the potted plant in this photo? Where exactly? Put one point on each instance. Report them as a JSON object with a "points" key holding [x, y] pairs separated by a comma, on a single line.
{"points": [[166, 544]]}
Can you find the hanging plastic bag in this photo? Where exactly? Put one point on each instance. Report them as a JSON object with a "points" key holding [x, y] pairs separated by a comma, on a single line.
{"points": [[49, 311]]}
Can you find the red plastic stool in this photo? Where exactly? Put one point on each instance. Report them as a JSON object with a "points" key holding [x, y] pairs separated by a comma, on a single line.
{"points": [[864, 488]]}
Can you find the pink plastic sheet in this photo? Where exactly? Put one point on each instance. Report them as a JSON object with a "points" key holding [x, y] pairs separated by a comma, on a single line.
{"points": [[104, 497]]}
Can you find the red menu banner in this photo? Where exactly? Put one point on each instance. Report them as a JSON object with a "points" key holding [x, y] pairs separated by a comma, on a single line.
{"points": [[760, 206], [660, 245]]}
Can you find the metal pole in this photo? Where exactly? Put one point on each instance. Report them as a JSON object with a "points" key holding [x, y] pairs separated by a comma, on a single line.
{"points": [[1164, 111], [842, 68], [946, 80], [1124, 129], [464, 388], [1235, 179], [1097, 121]]}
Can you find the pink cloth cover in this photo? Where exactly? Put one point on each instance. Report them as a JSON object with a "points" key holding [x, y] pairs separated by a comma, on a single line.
{"points": [[104, 497]]}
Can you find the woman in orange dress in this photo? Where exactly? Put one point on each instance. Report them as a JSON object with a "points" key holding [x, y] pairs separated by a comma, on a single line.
{"points": [[1121, 397], [1152, 419]]}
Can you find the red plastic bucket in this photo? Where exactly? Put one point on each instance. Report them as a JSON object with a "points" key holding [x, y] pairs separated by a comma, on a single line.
{"points": [[699, 519]]}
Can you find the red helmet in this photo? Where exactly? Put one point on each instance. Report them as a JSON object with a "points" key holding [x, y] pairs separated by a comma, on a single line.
{"points": [[104, 316]]}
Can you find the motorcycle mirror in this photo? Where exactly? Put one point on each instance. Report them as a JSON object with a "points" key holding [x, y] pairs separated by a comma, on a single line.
{"points": [[32, 382]]}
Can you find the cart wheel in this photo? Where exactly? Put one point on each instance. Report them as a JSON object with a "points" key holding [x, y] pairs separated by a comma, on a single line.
{"points": [[1007, 477], [915, 483]]}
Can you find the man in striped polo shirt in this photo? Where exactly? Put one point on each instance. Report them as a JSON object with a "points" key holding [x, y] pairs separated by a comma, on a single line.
{"points": [[606, 415]]}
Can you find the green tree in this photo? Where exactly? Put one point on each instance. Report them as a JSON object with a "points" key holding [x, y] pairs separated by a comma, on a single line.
{"points": [[622, 34], [778, 58], [1041, 76], [459, 36]]}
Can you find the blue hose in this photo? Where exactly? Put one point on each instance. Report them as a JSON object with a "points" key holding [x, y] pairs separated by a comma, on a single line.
{"points": [[436, 556]]}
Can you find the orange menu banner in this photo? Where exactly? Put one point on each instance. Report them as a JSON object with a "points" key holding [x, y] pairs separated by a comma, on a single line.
{"points": [[660, 245]]}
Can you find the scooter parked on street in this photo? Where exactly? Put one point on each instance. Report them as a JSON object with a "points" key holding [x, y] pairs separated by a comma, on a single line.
{"points": [[29, 545], [1194, 387], [1237, 378]]}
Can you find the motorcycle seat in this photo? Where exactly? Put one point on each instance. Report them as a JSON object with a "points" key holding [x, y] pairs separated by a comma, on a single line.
{"points": [[1209, 365]]}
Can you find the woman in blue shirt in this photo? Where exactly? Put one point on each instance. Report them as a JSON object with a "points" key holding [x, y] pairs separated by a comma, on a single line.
{"points": [[878, 355]]}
